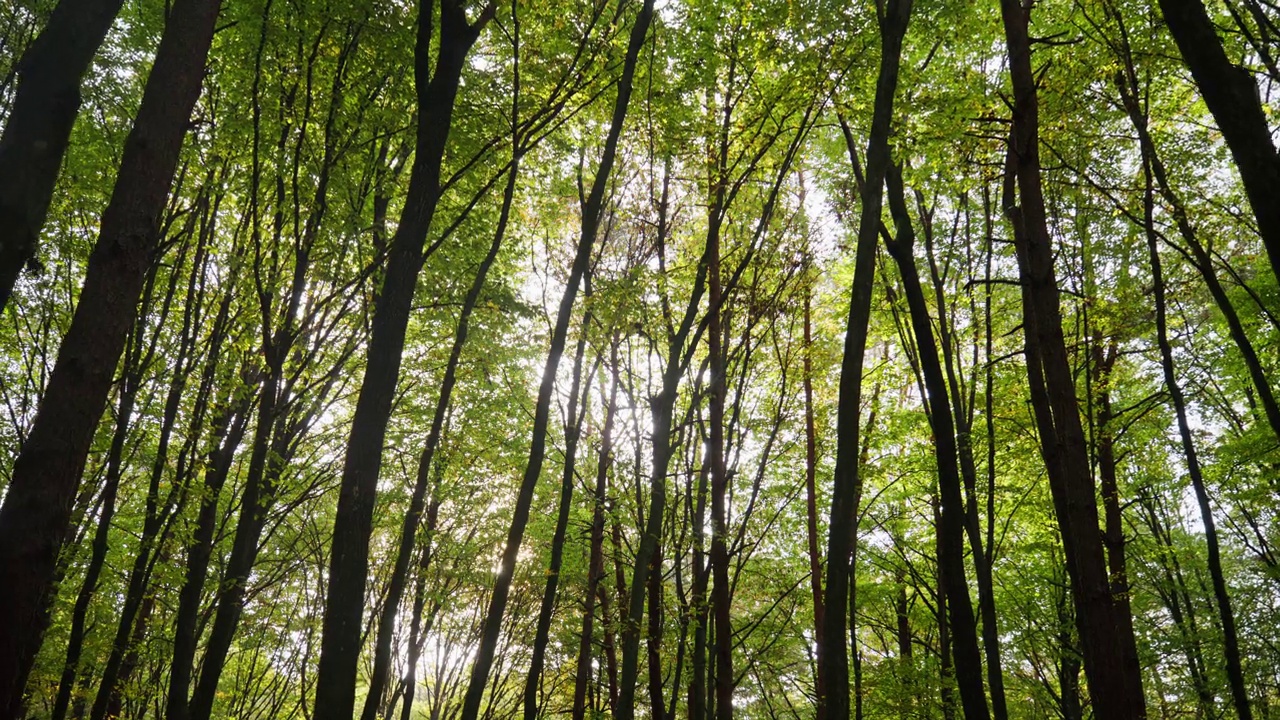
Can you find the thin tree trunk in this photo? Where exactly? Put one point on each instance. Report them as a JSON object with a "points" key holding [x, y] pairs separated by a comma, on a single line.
{"points": [[596, 569], [1177, 600], [810, 479], [653, 643], [1230, 640], [716, 391], [572, 433], [953, 583], [417, 502], [592, 214], [38, 126], [701, 576], [962, 413], [833, 651], [1068, 662], [906, 665], [1128, 86], [1113, 516]]}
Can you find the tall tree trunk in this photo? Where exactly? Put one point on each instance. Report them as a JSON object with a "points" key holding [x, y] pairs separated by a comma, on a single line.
{"points": [[1130, 91], [1113, 517], [953, 583], [811, 478], [592, 214], [138, 357], [38, 126], [353, 523], [833, 651], [418, 630], [417, 502], [698, 700], [1116, 691], [653, 641], [906, 663], [199, 552], [1069, 704], [1177, 600], [596, 571], [1230, 640], [1231, 93], [37, 508], [962, 413], [572, 433], [716, 392]]}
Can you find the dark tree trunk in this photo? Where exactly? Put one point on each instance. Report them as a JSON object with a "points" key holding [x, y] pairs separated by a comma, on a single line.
{"points": [[698, 699], [810, 480], [1069, 704], [596, 569], [138, 357], [353, 523], [1116, 691], [592, 214], [1230, 640], [417, 502], [653, 643], [572, 433], [1231, 93], [1130, 92], [716, 391], [1113, 517], [833, 651], [906, 663], [1177, 600], [37, 508], [953, 583], [199, 552], [962, 413], [38, 126]]}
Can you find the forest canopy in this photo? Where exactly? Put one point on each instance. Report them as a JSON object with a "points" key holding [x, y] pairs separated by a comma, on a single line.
{"points": [[481, 359]]}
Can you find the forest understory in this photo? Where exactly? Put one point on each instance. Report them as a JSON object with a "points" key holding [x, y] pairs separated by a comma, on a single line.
{"points": [[658, 359]]}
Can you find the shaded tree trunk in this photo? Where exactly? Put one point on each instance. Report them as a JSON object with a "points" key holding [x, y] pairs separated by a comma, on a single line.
{"points": [[596, 571], [38, 126], [572, 433], [1230, 639], [833, 651], [592, 214], [953, 584], [1116, 691], [417, 502], [1231, 94], [353, 523], [1113, 517], [37, 507]]}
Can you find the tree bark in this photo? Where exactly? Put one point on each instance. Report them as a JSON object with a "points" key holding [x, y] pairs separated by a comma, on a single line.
{"points": [[37, 508], [349, 559], [592, 214], [1232, 96], [38, 127], [417, 502], [582, 676], [1116, 691], [952, 513], [1230, 639], [833, 651], [572, 433]]}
